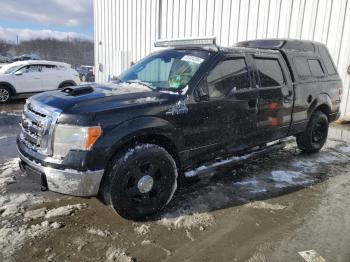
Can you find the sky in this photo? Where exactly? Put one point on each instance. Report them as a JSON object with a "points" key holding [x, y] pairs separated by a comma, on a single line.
{"points": [[59, 19]]}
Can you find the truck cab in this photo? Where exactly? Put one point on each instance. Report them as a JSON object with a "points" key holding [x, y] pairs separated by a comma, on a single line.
{"points": [[180, 111]]}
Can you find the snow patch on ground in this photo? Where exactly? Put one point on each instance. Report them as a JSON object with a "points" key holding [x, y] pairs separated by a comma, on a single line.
{"points": [[146, 100], [13, 237], [13, 204], [99, 232], [118, 255], [64, 210], [344, 149], [247, 182], [187, 221], [10, 114], [324, 158], [35, 214], [7, 174], [142, 230], [265, 205], [302, 164], [154, 244], [287, 178]]}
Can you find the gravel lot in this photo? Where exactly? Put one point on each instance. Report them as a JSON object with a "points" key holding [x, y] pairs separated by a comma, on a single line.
{"points": [[268, 209]]}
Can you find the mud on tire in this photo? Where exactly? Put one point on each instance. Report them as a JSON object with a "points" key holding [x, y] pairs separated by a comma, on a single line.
{"points": [[141, 181], [315, 135]]}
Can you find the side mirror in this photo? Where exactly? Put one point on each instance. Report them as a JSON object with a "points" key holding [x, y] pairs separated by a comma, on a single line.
{"points": [[201, 91], [18, 73]]}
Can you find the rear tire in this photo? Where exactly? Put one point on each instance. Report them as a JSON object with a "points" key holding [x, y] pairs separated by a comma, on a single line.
{"points": [[315, 135], [142, 181], [5, 94]]}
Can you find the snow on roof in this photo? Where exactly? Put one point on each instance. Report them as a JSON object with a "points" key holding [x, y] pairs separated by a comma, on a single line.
{"points": [[41, 62]]}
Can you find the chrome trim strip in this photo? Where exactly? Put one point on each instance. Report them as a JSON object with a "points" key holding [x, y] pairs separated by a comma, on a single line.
{"points": [[68, 181]]}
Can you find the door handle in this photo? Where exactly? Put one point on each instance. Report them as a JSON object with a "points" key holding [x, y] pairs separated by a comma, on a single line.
{"points": [[289, 93], [252, 103]]}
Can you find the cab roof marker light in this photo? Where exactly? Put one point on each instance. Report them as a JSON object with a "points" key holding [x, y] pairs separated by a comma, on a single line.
{"points": [[194, 41]]}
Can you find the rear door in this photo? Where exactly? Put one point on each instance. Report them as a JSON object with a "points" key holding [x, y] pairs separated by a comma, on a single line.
{"points": [[275, 97], [52, 77]]}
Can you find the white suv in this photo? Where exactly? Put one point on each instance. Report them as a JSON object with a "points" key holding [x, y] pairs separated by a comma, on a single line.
{"points": [[22, 79]]}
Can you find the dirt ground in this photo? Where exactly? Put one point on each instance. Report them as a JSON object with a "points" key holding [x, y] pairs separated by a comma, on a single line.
{"points": [[268, 209]]}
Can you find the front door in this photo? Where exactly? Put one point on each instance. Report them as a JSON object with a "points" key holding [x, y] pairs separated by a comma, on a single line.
{"points": [[28, 79], [225, 123], [275, 97], [234, 97]]}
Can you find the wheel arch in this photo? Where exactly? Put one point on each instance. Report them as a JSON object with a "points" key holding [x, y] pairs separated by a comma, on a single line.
{"points": [[66, 83], [132, 140], [322, 103], [11, 87], [148, 129]]}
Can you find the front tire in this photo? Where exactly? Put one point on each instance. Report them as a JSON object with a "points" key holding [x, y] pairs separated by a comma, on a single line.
{"points": [[142, 181], [315, 135], [5, 95]]}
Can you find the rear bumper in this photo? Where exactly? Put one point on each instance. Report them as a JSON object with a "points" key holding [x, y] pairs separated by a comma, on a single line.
{"points": [[65, 181], [334, 116]]}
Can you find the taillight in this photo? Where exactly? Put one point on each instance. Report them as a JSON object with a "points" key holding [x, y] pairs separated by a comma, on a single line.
{"points": [[340, 91]]}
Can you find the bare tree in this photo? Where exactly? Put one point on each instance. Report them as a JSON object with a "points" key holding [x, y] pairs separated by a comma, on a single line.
{"points": [[73, 51]]}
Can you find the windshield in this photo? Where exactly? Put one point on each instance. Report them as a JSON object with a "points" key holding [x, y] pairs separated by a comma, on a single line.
{"points": [[170, 69], [12, 69]]}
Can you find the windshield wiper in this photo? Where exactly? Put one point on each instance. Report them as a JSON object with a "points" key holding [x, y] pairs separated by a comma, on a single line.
{"points": [[141, 83]]}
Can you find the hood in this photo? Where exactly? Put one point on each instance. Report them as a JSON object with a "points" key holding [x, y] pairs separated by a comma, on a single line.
{"points": [[96, 98]]}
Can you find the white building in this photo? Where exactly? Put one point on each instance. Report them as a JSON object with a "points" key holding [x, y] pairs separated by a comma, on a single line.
{"points": [[125, 30]]}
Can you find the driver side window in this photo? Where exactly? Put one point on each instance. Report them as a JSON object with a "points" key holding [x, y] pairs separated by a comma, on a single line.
{"points": [[227, 77]]}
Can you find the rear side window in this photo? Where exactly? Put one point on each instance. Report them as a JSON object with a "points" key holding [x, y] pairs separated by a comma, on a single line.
{"points": [[315, 67], [270, 72], [49, 68], [228, 76], [327, 61], [302, 66]]}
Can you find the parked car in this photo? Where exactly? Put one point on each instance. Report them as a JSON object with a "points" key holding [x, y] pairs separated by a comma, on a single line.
{"points": [[25, 58], [4, 60], [22, 79], [178, 113], [86, 73]]}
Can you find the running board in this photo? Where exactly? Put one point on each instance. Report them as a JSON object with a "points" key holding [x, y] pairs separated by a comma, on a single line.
{"points": [[234, 160]]}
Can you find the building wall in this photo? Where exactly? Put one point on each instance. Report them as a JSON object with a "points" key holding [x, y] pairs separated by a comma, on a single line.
{"points": [[125, 30]]}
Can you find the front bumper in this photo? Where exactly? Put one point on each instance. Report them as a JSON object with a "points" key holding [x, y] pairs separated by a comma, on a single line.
{"points": [[334, 116], [66, 181]]}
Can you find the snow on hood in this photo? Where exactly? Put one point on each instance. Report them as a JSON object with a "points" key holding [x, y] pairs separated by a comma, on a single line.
{"points": [[124, 88]]}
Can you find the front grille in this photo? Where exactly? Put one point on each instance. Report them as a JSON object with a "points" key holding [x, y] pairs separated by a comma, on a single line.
{"points": [[38, 121]]}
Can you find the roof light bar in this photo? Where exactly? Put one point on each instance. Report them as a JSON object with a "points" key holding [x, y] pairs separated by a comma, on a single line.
{"points": [[198, 41]]}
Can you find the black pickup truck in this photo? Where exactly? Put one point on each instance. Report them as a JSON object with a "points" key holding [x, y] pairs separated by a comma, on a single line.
{"points": [[178, 112]]}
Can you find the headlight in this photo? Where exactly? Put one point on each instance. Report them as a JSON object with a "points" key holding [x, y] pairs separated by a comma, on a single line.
{"points": [[69, 137]]}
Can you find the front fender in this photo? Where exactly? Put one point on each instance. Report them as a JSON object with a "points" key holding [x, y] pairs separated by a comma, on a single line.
{"points": [[124, 132]]}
